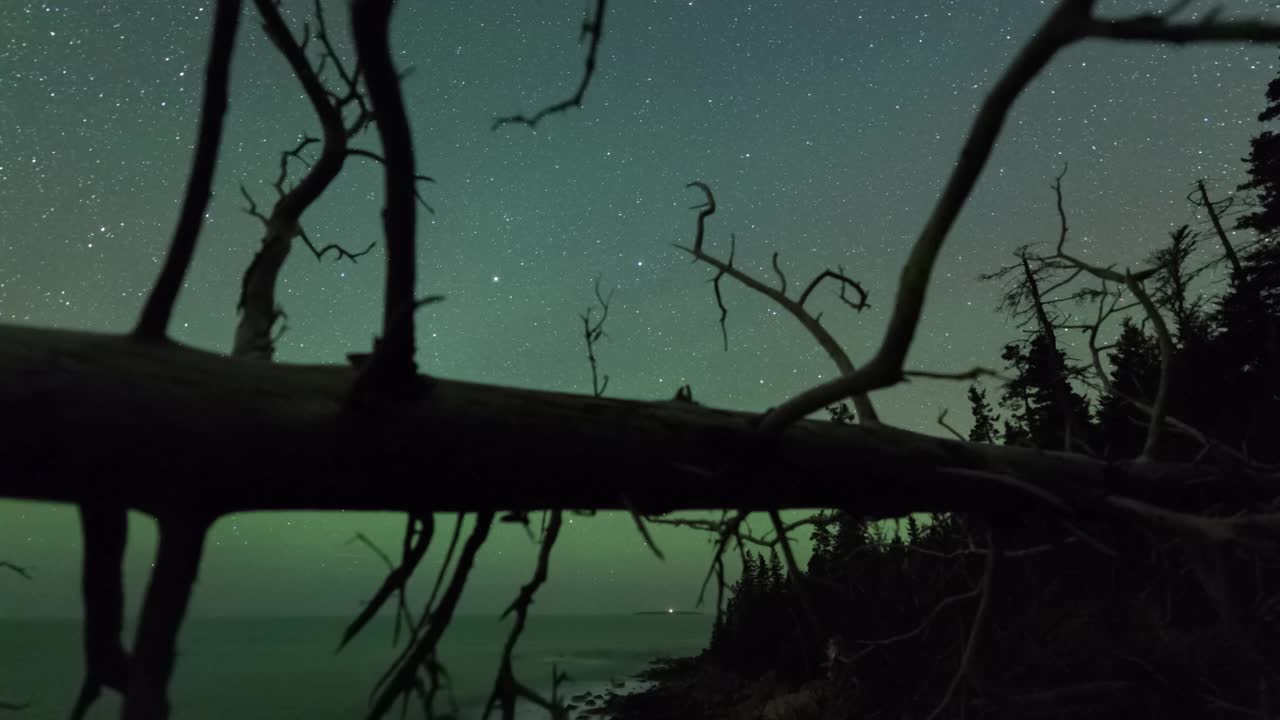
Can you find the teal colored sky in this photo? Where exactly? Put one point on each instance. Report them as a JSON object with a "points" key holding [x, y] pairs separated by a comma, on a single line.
{"points": [[825, 128]]}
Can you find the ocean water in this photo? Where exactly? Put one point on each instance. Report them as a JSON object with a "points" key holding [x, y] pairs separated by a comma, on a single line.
{"points": [[260, 668]]}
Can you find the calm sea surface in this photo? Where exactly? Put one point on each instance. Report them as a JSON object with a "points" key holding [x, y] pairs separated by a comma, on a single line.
{"points": [[259, 668]]}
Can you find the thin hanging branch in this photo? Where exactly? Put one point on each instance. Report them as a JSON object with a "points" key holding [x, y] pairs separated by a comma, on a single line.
{"points": [[507, 689], [417, 539], [593, 28], [154, 322], [403, 677], [257, 304]]}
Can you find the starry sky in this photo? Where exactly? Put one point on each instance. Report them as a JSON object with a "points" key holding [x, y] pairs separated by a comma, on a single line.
{"points": [[826, 129]]}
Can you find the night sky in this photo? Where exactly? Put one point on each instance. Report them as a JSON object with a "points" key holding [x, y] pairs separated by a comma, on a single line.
{"points": [[825, 128]]}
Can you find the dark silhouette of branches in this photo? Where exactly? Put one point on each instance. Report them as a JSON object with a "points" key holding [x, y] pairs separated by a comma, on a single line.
{"points": [[1214, 216], [417, 538], [154, 322], [507, 689], [593, 332], [257, 305], [979, 625], [403, 677], [1069, 22], [811, 323], [593, 28]]}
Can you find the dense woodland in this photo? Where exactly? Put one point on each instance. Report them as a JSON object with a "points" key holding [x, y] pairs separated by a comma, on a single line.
{"points": [[1115, 623], [1103, 543]]}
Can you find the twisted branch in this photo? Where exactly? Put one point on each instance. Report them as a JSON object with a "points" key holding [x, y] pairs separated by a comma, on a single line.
{"points": [[592, 27]]}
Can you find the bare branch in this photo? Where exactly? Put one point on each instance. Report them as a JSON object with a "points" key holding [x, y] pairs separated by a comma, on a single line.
{"points": [[593, 332], [1070, 21], [339, 251], [392, 363], [417, 539], [592, 27], [979, 624], [154, 322], [507, 689], [866, 411], [1227, 248], [359, 152], [1159, 407], [402, 677]]}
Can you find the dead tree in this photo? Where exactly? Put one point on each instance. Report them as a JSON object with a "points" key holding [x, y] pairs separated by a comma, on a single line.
{"points": [[188, 436], [342, 116]]}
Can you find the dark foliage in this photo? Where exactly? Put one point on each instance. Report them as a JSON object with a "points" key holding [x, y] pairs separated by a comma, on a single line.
{"points": [[1264, 171]]}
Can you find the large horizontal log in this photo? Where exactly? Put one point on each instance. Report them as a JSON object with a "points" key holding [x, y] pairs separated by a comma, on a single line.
{"points": [[161, 426]]}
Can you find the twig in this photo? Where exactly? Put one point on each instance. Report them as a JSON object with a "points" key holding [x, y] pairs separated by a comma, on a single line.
{"points": [[592, 332]]}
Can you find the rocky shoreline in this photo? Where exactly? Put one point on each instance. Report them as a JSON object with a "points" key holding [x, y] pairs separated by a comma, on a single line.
{"points": [[691, 689]]}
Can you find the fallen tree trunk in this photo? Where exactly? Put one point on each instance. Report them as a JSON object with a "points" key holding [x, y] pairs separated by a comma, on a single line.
{"points": [[163, 427]]}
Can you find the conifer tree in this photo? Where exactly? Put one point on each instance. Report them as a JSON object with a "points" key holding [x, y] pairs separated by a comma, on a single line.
{"points": [[820, 537], [1135, 368], [1264, 171], [1040, 396], [984, 422]]}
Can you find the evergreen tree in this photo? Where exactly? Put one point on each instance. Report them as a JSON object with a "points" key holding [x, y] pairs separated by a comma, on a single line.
{"points": [[820, 560], [1172, 291], [1264, 171], [1135, 372], [1040, 396], [777, 577], [1247, 356], [984, 422]]}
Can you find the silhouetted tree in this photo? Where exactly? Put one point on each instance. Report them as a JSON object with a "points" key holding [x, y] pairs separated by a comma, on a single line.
{"points": [[1135, 365], [1263, 164], [984, 422], [1040, 398]]}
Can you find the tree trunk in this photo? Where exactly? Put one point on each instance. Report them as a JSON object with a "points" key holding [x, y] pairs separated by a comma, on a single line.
{"points": [[168, 428]]}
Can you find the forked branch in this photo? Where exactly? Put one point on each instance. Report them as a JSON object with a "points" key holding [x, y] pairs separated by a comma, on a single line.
{"points": [[796, 307]]}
